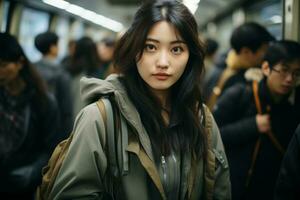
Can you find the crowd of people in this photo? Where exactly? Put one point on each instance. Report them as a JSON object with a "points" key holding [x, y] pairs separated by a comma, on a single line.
{"points": [[201, 124]]}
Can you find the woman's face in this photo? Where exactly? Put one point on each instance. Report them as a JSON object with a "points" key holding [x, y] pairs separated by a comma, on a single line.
{"points": [[164, 57], [9, 71]]}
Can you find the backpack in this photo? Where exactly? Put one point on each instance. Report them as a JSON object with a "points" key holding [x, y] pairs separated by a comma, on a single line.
{"points": [[51, 170]]}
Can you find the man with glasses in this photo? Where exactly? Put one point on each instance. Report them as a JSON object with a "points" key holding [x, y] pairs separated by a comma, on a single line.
{"points": [[257, 121]]}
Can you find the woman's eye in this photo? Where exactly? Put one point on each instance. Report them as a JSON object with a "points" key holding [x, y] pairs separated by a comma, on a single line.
{"points": [[150, 47], [177, 50]]}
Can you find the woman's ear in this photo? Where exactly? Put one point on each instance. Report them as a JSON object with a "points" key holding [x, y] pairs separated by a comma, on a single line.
{"points": [[265, 67]]}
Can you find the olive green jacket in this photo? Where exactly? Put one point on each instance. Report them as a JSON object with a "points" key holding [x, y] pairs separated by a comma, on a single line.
{"points": [[84, 172]]}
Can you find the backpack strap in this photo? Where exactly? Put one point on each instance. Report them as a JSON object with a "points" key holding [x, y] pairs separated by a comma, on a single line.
{"points": [[110, 120], [258, 142], [217, 90], [210, 164]]}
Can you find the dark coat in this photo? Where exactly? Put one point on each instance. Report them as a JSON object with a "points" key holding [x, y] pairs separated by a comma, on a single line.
{"points": [[235, 114], [20, 172], [288, 182], [59, 84]]}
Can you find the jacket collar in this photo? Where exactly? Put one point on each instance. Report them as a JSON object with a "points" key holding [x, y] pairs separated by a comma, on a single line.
{"points": [[92, 89]]}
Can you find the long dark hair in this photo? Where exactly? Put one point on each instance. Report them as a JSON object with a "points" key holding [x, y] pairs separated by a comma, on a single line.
{"points": [[85, 57], [11, 51], [184, 130]]}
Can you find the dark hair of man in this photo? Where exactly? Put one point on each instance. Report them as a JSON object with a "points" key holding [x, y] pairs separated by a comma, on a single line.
{"points": [[184, 132], [283, 51], [13, 52], [211, 46], [250, 35], [44, 41], [85, 56]]}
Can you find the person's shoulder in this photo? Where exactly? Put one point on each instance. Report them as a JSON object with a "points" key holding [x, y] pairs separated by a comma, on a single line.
{"points": [[91, 111], [236, 90]]}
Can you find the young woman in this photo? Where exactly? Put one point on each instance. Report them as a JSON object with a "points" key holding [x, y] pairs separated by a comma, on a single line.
{"points": [[160, 61], [28, 122]]}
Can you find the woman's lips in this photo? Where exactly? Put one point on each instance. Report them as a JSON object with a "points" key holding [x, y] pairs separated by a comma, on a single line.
{"points": [[161, 76]]}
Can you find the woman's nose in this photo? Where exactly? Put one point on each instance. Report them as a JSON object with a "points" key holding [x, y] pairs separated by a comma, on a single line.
{"points": [[163, 60]]}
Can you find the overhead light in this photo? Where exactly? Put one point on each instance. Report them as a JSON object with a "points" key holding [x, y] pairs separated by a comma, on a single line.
{"points": [[192, 5], [276, 19], [74, 9], [86, 14], [57, 3]]}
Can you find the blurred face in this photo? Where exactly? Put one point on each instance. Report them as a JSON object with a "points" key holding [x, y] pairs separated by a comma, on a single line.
{"points": [[164, 58], [54, 50], [9, 71], [257, 56], [105, 52], [282, 78]]}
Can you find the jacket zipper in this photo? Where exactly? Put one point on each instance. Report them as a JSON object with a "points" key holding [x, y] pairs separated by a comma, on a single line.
{"points": [[164, 169]]}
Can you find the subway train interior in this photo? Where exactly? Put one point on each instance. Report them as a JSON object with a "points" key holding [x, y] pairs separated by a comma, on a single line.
{"points": [[96, 18], [241, 63]]}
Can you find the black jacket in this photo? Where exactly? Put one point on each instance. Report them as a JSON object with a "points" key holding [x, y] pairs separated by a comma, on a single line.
{"points": [[21, 171], [288, 182], [235, 114], [59, 84]]}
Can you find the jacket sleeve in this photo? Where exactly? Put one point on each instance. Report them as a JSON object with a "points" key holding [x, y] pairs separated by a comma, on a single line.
{"points": [[228, 112], [222, 188], [82, 173], [289, 176]]}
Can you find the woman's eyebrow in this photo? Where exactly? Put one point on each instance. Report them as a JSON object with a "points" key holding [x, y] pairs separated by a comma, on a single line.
{"points": [[157, 41]]}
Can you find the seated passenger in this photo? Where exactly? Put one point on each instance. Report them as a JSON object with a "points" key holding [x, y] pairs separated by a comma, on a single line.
{"points": [[255, 136], [28, 122]]}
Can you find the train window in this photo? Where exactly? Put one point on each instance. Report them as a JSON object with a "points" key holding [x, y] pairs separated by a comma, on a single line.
{"points": [[33, 22], [62, 30], [3, 17], [77, 30], [269, 14]]}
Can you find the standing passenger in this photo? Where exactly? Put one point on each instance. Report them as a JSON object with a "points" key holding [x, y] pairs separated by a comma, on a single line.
{"points": [[249, 43], [58, 80], [245, 131], [28, 122], [106, 49], [84, 62], [158, 92]]}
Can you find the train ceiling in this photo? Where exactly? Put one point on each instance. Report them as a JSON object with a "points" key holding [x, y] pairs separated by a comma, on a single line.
{"points": [[123, 10]]}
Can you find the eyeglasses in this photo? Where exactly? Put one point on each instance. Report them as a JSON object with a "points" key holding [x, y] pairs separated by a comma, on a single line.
{"points": [[284, 72]]}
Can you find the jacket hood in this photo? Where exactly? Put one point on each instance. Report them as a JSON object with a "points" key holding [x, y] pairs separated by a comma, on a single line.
{"points": [[92, 89]]}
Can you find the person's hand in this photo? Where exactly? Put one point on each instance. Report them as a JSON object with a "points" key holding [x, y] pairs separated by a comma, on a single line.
{"points": [[263, 123]]}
